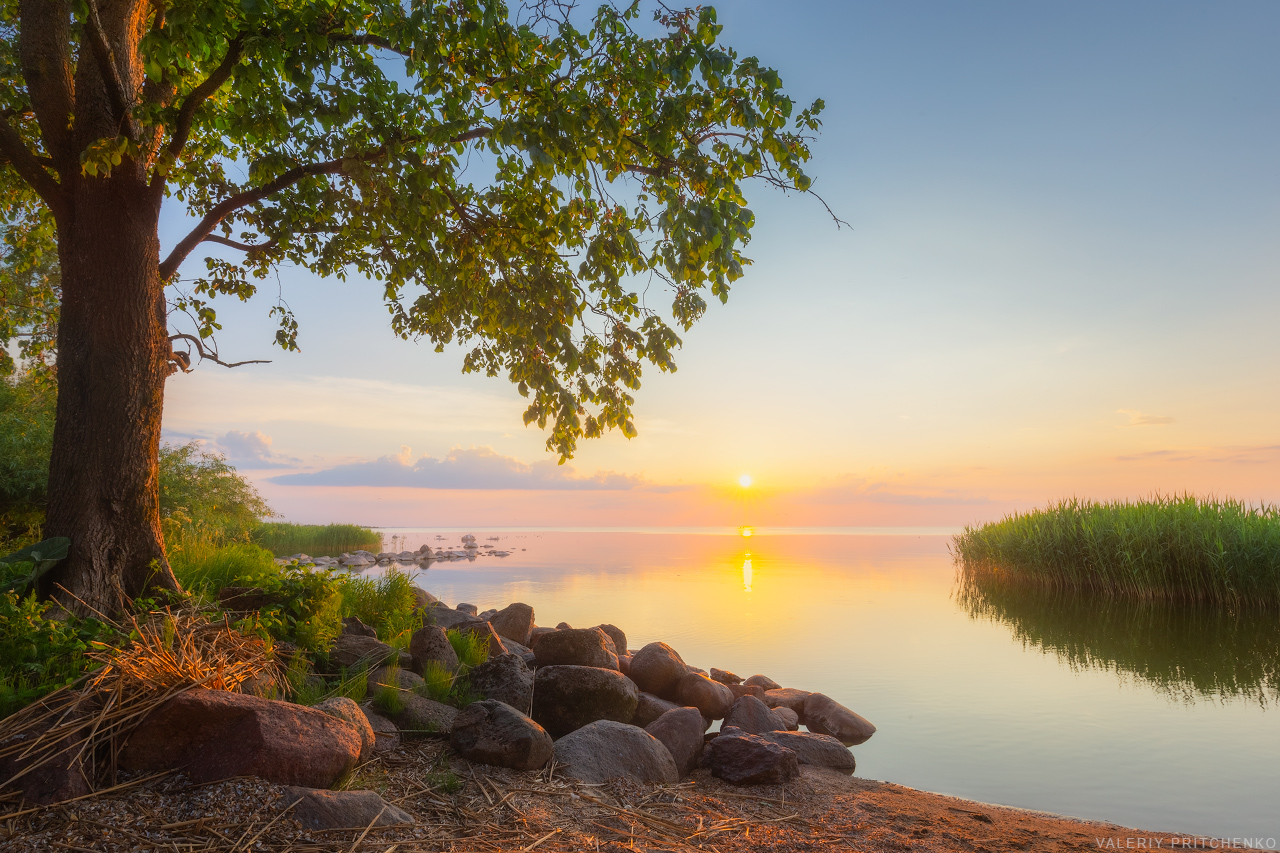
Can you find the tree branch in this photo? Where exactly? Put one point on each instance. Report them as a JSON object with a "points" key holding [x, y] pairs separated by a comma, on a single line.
{"points": [[201, 93], [44, 33], [365, 40], [121, 103], [244, 247], [206, 355], [28, 167]]}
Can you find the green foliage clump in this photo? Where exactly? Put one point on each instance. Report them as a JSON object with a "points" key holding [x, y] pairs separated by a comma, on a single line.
{"points": [[437, 681], [39, 653], [1166, 547], [204, 500], [389, 698], [204, 567], [472, 649], [386, 603], [27, 404], [284, 539]]}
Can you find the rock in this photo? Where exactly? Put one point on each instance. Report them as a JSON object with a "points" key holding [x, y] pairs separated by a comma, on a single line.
{"points": [[563, 626], [264, 685], [347, 710], [624, 664], [607, 749], [352, 650], [213, 735], [493, 732], [826, 716], [506, 678], [724, 676], [764, 682], [788, 716], [787, 697], [44, 782], [317, 809], [745, 759], [401, 679], [246, 598], [385, 557], [680, 731], [576, 647], [753, 717], [423, 716], [447, 617], [649, 708], [816, 750], [619, 638], [657, 668], [486, 615], [353, 625], [422, 600], [429, 643], [484, 629], [569, 697], [463, 607], [514, 622], [515, 648], [712, 698], [386, 737], [538, 632], [740, 690]]}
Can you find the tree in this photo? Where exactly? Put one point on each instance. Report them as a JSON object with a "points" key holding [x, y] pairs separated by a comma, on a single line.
{"points": [[514, 177]]}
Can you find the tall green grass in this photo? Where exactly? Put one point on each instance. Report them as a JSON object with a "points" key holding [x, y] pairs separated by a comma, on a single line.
{"points": [[1165, 547], [386, 603], [284, 539], [203, 566]]}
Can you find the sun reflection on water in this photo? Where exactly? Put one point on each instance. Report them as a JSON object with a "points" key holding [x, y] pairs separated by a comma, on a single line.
{"points": [[746, 573]]}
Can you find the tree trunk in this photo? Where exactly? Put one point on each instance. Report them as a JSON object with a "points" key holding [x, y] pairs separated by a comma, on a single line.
{"points": [[113, 355]]}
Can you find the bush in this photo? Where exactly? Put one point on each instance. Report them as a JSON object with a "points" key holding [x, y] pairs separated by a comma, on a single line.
{"points": [[204, 500], [39, 654], [27, 405], [386, 603], [284, 539]]}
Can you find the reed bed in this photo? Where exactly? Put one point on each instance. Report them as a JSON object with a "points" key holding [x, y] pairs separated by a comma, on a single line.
{"points": [[1166, 547], [284, 539]]}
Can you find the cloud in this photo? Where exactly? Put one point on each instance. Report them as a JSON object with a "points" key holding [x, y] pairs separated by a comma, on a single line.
{"points": [[251, 450], [850, 489], [1138, 419], [470, 468]]}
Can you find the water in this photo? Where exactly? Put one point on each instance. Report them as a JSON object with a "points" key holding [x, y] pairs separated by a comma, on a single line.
{"points": [[1148, 716]]}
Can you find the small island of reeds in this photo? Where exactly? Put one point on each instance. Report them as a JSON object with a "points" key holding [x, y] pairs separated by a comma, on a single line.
{"points": [[1163, 547]]}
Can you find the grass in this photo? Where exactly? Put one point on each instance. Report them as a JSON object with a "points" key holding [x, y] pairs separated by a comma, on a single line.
{"points": [[386, 603], [283, 539], [471, 649], [1166, 547], [202, 565]]}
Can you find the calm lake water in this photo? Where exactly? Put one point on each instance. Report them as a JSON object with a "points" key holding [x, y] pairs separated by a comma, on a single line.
{"points": [[1154, 717]]}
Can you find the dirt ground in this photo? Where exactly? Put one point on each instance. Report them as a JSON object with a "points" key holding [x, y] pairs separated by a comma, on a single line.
{"points": [[463, 807]]}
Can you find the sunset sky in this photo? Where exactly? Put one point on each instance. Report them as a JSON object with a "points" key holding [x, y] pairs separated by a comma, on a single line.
{"points": [[1062, 277]]}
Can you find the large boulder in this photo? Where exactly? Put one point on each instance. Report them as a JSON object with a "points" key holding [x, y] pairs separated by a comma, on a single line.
{"points": [[536, 634], [826, 716], [506, 678], [493, 732], [386, 737], [576, 647], [816, 750], [657, 668], [353, 625], [317, 809], [753, 717], [447, 617], [347, 710], [617, 636], [423, 599], [789, 718], [485, 630], [764, 682], [743, 759], [213, 734], [724, 676], [680, 731], [429, 643], [423, 716], [569, 697], [607, 750], [712, 698], [650, 708], [48, 775], [514, 622], [350, 651], [787, 697], [740, 690], [393, 676]]}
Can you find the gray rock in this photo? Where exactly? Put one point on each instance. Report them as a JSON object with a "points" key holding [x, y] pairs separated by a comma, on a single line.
{"points": [[724, 676], [423, 716], [649, 708], [493, 732], [563, 626], [346, 709], [619, 638], [386, 737], [576, 647], [353, 625], [764, 682], [538, 632], [788, 716], [787, 697], [740, 690], [606, 750], [826, 716], [506, 678], [744, 759], [816, 750], [350, 651], [754, 717], [429, 643], [657, 668], [569, 697], [401, 679], [712, 698], [316, 808], [680, 731], [484, 629], [463, 607], [422, 599], [486, 615], [624, 665], [447, 617], [514, 622]]}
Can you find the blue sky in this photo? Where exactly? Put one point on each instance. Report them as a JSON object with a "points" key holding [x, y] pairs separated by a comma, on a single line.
{"points": [[1060, 277]]}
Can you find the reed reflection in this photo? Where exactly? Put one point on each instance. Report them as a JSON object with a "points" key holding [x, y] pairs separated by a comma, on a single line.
{"points": [[1185, 650]]}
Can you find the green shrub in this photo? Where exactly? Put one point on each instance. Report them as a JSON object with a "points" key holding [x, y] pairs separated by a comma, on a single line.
{"points": [[27, 405], [438, 681], [284, 539], [385, 603], [39, 654], [204, 500], [389, 698], [204, 567], [472, 649]]}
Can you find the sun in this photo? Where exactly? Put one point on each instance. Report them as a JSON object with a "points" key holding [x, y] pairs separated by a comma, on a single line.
{"points": [[744, 480]]}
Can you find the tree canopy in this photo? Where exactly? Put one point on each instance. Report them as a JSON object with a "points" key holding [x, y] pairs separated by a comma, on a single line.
{"points": [[516, 178]]}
